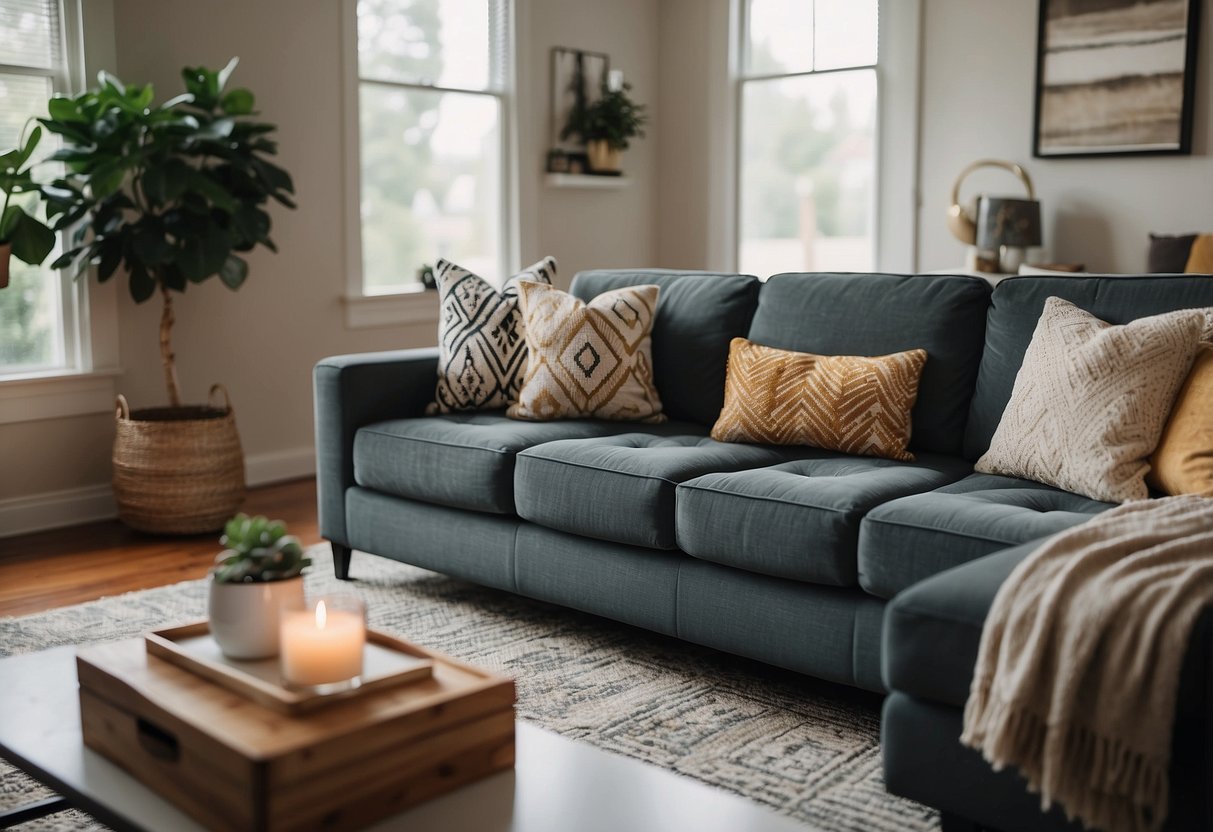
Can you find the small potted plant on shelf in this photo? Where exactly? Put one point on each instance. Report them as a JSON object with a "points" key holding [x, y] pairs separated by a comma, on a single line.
{"points": [[22, 234], [257, 575], [607, 126]]}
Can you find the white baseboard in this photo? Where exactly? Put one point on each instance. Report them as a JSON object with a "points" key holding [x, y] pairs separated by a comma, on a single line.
{"points": [[73, 506]]}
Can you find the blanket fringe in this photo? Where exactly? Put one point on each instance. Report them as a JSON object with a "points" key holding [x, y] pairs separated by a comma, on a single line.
{"points": [[1099, 779]]}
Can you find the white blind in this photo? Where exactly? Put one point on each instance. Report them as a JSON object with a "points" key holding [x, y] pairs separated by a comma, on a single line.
{"points": [[29, 33]]}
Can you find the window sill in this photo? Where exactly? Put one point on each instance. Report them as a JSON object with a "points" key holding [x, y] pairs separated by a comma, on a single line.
{"points": [[415, 306], [55, 396]]}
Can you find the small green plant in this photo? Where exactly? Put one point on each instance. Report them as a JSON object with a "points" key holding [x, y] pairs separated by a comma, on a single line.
{"points": [[258, 551], [30, 238], [614, 118]]}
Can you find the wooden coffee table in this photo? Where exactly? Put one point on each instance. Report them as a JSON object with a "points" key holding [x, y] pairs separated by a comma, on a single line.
{"points": [[557, 784]]}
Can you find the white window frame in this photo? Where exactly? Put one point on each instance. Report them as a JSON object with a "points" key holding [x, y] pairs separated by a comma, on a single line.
{"points": [[896, 197], [90, 310], [411, 304]]}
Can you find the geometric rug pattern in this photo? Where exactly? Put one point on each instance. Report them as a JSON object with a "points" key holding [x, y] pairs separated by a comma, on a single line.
{"points": [[806, 748]]}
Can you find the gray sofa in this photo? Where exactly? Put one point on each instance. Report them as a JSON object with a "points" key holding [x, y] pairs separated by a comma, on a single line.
{"points": [[785, 555]]}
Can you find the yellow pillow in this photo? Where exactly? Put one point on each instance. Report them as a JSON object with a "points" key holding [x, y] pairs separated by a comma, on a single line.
{"points": [[842, 403], [1183, 461], [1200, 259]]}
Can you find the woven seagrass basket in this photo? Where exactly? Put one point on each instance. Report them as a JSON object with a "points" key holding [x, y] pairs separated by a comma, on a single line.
{"points": [[178, 470]]}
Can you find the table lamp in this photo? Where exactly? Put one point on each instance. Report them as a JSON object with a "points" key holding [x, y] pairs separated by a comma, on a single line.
{"points": [[1007, 227]]}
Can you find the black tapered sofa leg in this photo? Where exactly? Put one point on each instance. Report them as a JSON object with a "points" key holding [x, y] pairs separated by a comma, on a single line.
{"points": [[341, 561]]}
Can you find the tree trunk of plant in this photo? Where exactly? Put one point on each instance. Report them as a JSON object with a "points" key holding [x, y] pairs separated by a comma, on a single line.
{"points": [[166, 349]]}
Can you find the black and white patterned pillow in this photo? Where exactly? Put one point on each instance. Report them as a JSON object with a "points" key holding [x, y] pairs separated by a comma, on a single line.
{"points": [[481, 338]]}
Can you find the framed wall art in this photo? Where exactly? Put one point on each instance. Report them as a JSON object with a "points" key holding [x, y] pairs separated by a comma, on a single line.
{"points": [[1115, 77], [578, 78]]}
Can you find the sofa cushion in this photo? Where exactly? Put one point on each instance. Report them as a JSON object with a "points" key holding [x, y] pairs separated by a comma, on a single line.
{"points": [[906, 540], [878, 314], [798, 519], [462, 460], [698, 313], [621, 488], [1016, 307]]}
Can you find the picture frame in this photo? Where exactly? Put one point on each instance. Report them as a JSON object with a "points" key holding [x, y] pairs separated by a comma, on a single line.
{"points": [[1115, 77], [594, 69]]}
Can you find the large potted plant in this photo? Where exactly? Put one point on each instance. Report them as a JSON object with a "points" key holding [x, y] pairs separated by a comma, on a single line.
{"points": [[171, 194], [608, 125], [257, 576], [22, 234]]}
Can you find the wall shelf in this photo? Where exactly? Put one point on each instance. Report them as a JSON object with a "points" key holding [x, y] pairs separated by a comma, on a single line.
{"points": [[582, 180]]}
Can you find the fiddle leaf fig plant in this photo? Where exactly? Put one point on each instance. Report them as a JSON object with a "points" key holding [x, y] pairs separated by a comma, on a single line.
{"points": [[258, 550], [30, 238], [176, 192], [614, 118]]}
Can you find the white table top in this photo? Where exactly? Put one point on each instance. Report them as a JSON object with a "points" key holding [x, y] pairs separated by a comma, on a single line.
{"points": [[557, 784]]}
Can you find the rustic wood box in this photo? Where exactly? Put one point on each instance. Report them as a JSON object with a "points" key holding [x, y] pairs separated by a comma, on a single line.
{"points": [[235, 765]]}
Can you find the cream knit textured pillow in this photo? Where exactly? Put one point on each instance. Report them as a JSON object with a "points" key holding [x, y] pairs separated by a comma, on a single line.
{"points": [[590, 360], [1091, 399]]}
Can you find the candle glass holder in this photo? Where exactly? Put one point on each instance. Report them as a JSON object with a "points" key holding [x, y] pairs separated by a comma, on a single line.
{"points": [[322, 645]]}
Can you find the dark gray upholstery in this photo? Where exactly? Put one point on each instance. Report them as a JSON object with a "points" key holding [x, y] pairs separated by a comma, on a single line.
{"points": [[906, 540], [1016, 306], [851, 314], [466, 459], [799, 519], [621, 488], [698, 313]]}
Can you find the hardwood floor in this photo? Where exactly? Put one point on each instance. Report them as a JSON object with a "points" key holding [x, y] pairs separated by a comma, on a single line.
{"points": [[68, 566]]}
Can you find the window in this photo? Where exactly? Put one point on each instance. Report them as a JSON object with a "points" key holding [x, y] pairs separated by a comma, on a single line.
{"points": [[807, 155], [432, 138], [37, 310]]}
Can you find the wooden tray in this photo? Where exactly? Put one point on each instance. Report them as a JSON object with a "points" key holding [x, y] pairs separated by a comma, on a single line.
{"points": [[386, 662]]}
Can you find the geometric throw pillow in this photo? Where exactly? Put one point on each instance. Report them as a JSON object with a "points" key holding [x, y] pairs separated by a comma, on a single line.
{"points": [[853, 404], [482, 349], [590, 360], [1183, 461], [1090, 400]]}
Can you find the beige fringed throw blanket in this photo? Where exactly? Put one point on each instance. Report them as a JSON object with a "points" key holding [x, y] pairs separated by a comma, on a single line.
{"points": [[1079, 664]]}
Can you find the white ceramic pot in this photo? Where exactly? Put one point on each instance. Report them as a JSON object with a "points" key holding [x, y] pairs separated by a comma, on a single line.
{"points": [[244, 617]]}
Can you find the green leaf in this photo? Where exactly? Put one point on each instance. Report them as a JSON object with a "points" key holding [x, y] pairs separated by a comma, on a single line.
{"points": [[111, 83], [238, 102], [148, 244], [143, 286], [111, 256], [212, 190], [177, 101], [30, 145], [226, 72], [31, 240], [62, 108], [143, 98], [8, 221], [202, 255], [107, 178], [65, 259], [172, 278], [233, 272]]}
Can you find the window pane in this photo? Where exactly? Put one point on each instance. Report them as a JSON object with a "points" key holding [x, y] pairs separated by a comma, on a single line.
{"points": [[780, 37], [431, 168], [31, 315], [807, 173], [844, 33], [450, 43], [29, 33]]}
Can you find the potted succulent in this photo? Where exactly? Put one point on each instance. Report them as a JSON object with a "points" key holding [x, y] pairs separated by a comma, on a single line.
{"points": [[257, 575], [607, 126], [173, 194], [22, 234]]}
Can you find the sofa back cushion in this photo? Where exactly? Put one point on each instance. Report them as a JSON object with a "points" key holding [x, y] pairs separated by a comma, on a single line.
{"points": [[1016, 307], [698, 314], [879, 314]]}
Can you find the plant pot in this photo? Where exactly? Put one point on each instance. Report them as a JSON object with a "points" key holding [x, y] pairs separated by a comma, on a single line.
{"points": [[6, 250], [603, 157], [178, 470], [244, 617]]}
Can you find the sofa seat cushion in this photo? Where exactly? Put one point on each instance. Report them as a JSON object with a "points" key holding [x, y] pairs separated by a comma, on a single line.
{"points": [[621, 488], [906, 540], [799, 519], [463, 460]]}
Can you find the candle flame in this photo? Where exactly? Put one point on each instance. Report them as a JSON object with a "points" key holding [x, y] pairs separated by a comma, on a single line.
{"points": [[321, 615]]}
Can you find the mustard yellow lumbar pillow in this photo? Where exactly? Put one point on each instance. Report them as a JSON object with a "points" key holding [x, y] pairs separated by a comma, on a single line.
{"points": [[1183, 461], [1200, 258], [845, 403], [590, 360]]}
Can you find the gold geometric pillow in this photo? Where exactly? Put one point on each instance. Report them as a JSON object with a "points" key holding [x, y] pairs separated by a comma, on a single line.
{"points": [[588, 360], [1183, 461], [846, 403]]}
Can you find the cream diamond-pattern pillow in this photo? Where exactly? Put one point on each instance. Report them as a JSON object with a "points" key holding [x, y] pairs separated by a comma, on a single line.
{"points": [[590, 360], [1090, 400]]}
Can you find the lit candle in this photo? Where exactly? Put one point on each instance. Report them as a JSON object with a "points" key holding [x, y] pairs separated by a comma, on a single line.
{"points": [[322, 645]]}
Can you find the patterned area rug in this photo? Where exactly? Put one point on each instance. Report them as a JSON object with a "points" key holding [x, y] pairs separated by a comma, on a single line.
{"points": [[806, 748]]}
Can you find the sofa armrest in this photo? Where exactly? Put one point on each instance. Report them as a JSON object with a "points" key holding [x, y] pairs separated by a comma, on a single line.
{"points": [[352, 391]]}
